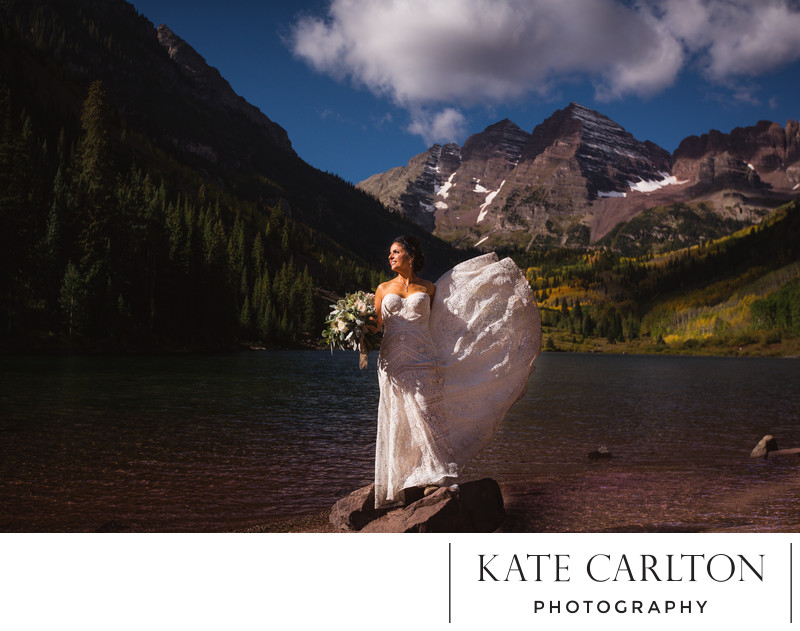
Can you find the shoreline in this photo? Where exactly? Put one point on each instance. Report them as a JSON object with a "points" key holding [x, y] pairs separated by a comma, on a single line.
{"points": [[311, 523]]}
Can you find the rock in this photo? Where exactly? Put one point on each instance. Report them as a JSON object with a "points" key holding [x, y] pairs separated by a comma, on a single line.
{"points": [[412, 190], [599, 454], [769, 446], [356, 510], [764, 446], [475, 506]]}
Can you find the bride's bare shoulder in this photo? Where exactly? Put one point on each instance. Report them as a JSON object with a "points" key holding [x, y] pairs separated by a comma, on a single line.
{"points": [[383, 288]]}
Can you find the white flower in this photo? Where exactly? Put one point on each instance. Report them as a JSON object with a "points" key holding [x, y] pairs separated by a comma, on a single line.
{"points": [[341, 325]]}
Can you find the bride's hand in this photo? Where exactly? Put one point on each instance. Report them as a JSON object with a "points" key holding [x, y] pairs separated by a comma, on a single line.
{"points": [[372, 325]]}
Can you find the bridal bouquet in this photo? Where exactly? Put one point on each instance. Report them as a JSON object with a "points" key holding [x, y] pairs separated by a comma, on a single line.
{"points": [[346, 325]]}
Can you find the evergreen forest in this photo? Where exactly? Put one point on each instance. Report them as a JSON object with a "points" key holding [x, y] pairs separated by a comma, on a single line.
{"points": [[96, 257]]}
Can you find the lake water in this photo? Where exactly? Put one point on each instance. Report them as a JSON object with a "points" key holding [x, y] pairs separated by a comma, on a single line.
{"points": [[229, 442]]}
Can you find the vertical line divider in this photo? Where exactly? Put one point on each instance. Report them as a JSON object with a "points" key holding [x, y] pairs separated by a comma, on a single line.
{"points": [[449, 582]]}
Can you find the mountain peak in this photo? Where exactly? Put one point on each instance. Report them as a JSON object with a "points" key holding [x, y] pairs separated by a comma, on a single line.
{"points": [[609, 157], [212, 87], [573, 106], [590, 118], [503, 124]]}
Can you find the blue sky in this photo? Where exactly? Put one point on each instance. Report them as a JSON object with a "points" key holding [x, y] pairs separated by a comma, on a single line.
{"points": [[361, 86]]}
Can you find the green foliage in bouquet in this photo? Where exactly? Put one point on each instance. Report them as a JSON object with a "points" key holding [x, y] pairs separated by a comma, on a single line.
{"points": [[346, 323]]}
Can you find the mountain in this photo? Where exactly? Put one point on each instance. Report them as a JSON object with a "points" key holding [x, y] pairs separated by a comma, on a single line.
{"points": [[210, 87], [579, 175], [165, 93], [144, 204], [763, 157]]}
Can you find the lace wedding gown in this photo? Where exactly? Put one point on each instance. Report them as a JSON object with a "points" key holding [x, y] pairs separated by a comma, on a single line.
{"points": [[449, 369]]}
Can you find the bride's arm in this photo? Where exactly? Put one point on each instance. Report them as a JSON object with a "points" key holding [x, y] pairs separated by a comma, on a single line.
{"points": [[378, 318]]}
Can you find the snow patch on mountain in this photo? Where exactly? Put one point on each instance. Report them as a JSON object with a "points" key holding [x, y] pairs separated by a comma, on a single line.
{"points": [[648, 186], [444, 189], [489, 199]]}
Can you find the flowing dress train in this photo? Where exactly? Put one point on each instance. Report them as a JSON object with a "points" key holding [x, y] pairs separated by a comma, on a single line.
{"points": [[449, 369]]}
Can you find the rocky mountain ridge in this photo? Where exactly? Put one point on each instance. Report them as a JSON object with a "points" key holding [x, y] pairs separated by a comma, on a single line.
{"points": [[578, 175], [213, 89]]}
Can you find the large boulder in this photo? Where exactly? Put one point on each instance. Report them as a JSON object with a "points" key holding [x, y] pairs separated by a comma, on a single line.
{"points": [[356, 510], [475, 506]]}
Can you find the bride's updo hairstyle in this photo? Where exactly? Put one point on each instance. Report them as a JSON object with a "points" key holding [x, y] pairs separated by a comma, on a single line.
{"points": [[413, 248]]}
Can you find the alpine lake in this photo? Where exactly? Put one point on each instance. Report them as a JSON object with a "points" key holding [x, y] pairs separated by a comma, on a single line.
{"points": [[228, 442]]}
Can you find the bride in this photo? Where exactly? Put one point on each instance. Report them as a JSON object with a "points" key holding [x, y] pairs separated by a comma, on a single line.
{"points": [[455, 356]]}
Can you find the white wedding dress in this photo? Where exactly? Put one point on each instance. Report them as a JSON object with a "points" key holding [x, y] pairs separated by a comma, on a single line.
{"points": [[449, 369]]}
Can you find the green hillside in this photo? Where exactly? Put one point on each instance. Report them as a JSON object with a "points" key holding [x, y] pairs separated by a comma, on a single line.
{"points": [[736, 294]]}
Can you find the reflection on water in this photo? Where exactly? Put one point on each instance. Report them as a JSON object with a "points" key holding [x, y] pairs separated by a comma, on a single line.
{"points": [[205, 443]]}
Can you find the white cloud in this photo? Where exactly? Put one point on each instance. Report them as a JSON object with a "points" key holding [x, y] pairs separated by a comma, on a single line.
{"points": [[449, 53], [474, 51], [733, 37], [448, 125]]}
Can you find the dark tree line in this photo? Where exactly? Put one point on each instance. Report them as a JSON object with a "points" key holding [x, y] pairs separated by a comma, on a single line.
{"points": [[99, 254]]}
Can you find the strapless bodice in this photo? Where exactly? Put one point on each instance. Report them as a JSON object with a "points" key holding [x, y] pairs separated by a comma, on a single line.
{"points": [[405, 311]]}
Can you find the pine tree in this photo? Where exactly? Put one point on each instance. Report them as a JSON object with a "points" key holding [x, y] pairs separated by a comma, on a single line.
{"points": [[214, 239], [14, 232], [245, 318], [265, 328], [257, 255], [95, 179], [309, 317], [51, 248], [73, 302], [236, 252], [587, 326], [285, 238]]}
